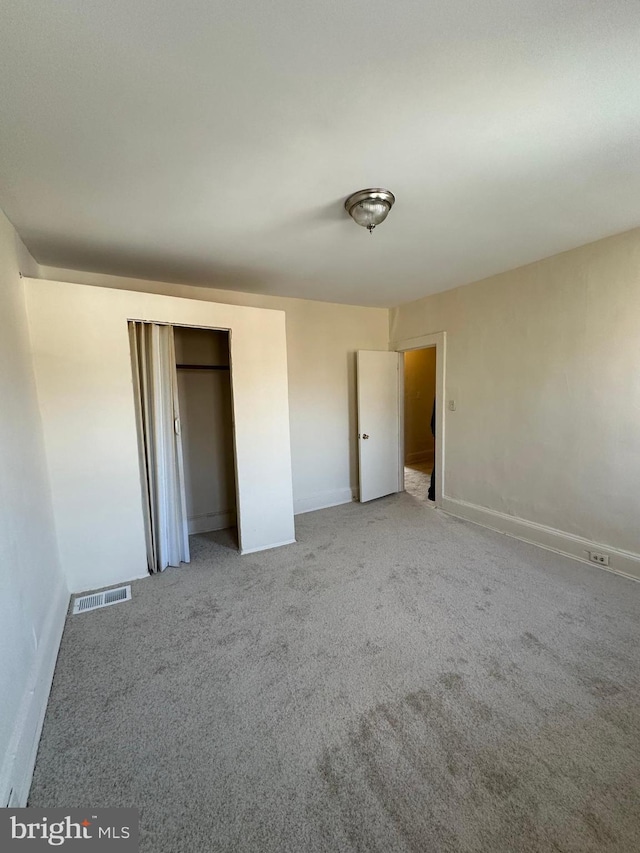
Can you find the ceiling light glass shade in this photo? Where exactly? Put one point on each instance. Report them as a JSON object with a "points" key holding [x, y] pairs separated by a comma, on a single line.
{"points": [[369, 213], [369, 207]]}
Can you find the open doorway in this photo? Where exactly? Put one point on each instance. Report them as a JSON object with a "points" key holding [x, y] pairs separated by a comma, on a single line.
{"points": [[183, 403], [204, 393], [419, 421], [381, 418]]}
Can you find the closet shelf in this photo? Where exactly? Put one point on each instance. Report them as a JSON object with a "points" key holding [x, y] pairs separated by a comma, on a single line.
{"points": [[202, 366]]}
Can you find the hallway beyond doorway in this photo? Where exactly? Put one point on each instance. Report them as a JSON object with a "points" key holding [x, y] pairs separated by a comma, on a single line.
{"points": [[417, 476]]}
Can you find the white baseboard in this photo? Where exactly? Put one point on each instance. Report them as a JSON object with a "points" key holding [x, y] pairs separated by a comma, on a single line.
{"points": [[419, 456], [211, 521], [267, 547], [624, 563], [18, 764], [323, 500]]}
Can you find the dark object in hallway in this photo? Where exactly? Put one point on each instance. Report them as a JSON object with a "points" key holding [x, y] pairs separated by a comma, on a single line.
{"points": [[432, 488]]}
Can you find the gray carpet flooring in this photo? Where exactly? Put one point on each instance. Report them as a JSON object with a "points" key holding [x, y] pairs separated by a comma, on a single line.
{"points": [[398, 680]]}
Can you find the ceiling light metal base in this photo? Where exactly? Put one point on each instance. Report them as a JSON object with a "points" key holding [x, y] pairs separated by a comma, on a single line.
{"points": [[370, 195]]}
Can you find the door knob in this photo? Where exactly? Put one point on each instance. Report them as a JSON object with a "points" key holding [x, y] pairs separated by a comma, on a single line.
{"points": [[365, 436]]}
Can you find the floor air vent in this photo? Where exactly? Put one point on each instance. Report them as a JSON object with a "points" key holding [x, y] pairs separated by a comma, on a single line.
{"points": [[101, 599]]}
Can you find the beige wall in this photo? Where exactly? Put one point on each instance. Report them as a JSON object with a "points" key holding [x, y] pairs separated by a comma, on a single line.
{"points": [[419, 394], [322, 339], [544, 366], [33, 597], [83, 372]]}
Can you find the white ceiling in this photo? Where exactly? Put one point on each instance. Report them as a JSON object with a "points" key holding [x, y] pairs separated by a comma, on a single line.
{"points": [[214, 142]]}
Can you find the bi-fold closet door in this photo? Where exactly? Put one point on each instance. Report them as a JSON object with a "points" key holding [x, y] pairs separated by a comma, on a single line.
{"points": [[159, 445]]}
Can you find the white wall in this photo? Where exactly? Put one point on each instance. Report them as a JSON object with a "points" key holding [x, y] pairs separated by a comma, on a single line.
{"points": [[206, 429], [83, 374], [322, 339], [33, 597], [543, 363]]}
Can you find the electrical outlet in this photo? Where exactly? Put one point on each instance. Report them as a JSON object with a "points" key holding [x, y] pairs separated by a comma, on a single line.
{"points": [[602, 559]]}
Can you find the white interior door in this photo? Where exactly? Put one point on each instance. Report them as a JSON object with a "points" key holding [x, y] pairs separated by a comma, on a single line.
{"points": [[378, 423]]}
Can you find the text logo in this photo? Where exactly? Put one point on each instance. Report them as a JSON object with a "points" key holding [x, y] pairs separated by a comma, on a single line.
{"points": [[71, 829]]}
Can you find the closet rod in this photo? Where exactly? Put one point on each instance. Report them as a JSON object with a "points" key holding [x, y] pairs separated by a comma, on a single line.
{"points": [[203, 366]]}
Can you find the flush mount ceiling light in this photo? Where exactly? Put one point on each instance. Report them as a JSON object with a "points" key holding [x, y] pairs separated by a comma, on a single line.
{"points": [[369, 207]]}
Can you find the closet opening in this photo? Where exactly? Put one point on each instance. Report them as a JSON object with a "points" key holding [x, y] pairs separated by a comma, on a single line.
{"points": [[206, 426], [184, 412]]}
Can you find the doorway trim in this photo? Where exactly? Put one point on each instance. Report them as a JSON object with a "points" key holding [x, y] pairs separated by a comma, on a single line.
{"points": [[439, 341]]}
